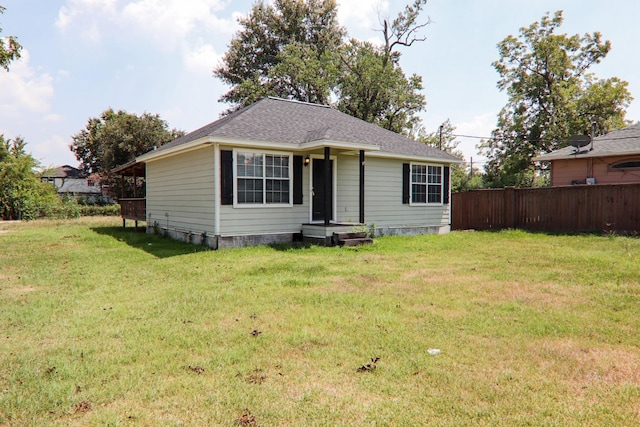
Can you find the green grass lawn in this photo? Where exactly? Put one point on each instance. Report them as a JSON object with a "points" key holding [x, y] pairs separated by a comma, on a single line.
{"points": [[100, 326]]}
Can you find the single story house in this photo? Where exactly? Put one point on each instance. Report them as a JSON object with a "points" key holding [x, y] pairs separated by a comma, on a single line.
{"points": [[278, 170], [74, 183], [613, 158]]}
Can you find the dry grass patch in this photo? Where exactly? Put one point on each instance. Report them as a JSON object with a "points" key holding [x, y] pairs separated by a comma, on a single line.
{"points": [[581, 365], [16, 292], [541, 296]]}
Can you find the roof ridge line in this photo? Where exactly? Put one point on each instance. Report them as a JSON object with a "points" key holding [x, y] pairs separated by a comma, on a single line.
{"points": [[275, 98]]}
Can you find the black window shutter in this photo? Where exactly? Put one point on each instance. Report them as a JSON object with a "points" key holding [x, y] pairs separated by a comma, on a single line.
{"points": [[445, 196], [226, 177], [297, 180], [405, 183]]}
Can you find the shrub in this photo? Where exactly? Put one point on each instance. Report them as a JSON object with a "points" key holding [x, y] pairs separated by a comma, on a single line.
{"points": [[96, 210]]}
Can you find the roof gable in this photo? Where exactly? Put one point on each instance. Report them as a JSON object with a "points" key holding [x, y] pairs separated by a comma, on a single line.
{"points": [[276, 120]]}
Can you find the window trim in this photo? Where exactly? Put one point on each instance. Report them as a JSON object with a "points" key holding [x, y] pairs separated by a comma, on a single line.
{"points": [[427, 184], [264, 204], [615, 167]]}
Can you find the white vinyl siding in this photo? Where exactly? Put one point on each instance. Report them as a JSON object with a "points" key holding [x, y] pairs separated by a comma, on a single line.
{"points": [[383, 201], [383, 196], [180, 191], [267, 219], [180, 195], [348, 189]]}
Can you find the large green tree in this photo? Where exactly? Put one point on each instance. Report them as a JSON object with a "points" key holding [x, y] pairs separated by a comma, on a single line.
{"points": [[9, 48], [552, 95], [296, 49], [372, 85], [286, 48], [22, 195], [116, 138]]}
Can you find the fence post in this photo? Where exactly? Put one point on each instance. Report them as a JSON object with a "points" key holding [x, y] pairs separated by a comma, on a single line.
{"points": [[510, 207]]}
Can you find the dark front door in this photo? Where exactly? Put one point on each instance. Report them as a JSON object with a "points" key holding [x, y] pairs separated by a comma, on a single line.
{"points": [[318, 204]]}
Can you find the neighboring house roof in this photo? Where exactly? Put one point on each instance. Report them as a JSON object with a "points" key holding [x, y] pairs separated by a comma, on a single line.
{"points": [[78, 186], [65, 171], [619, 142], [295, 125]]}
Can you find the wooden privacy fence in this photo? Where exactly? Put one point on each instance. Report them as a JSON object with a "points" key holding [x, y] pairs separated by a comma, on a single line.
{"points": [[580, 208]]}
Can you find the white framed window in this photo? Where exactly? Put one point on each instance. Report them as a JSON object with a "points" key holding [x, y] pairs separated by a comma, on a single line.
{"points": [[263, 178], [426, 184]]}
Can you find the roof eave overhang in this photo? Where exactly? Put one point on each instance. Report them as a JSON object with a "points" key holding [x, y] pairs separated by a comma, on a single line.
{"points": [[196, 144], [588, 155], [342, 145], [373, 150], [209, 140], [417, 158], [128, 168]]}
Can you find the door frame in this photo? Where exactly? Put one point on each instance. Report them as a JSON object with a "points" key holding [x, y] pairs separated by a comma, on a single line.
{"points": [[334, 210]]}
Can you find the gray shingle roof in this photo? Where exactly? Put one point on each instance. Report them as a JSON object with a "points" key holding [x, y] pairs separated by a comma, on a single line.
{"points": [[65, 171], [624, 141], [293, 122]]}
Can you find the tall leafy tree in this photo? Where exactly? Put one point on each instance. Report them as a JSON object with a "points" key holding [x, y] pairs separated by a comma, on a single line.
{"points": [[295, 49], [552, 95], [9, 48], [116, 138], [372, 85], [22, 195], [286, 48]]}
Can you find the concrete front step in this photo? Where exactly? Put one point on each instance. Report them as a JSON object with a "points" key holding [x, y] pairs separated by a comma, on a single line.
{"points": [[350, 235], [351, 238], [356, 241]]}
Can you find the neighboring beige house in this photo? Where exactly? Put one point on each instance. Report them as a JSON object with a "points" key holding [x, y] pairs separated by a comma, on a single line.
{"points": [[280, 170], [613, 158]]}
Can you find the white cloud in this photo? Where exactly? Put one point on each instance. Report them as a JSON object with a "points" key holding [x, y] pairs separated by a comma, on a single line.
{"points": [[24, 89], [53, 118], [54, 149], [89, 16], [202, 58], [172, 26], [362, 15], [171, 19]]}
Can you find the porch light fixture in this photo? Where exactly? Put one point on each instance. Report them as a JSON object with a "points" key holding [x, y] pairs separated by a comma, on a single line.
{"points": [[306, 161]]}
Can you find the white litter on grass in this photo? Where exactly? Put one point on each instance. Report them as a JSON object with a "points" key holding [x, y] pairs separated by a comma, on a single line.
{"points": [[434, 351]]}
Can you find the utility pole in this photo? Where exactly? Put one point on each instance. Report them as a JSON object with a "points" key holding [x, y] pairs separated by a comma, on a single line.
{"points": [[440, 139]]}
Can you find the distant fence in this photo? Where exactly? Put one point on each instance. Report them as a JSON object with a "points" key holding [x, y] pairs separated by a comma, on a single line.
{"points": [[577, 208]]}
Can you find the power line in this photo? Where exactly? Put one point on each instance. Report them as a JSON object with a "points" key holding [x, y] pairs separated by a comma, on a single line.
{"points": [[471, 136], [611, 138]]}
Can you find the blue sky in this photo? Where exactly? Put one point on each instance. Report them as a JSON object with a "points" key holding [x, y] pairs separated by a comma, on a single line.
{"points": [[83, 56]]}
